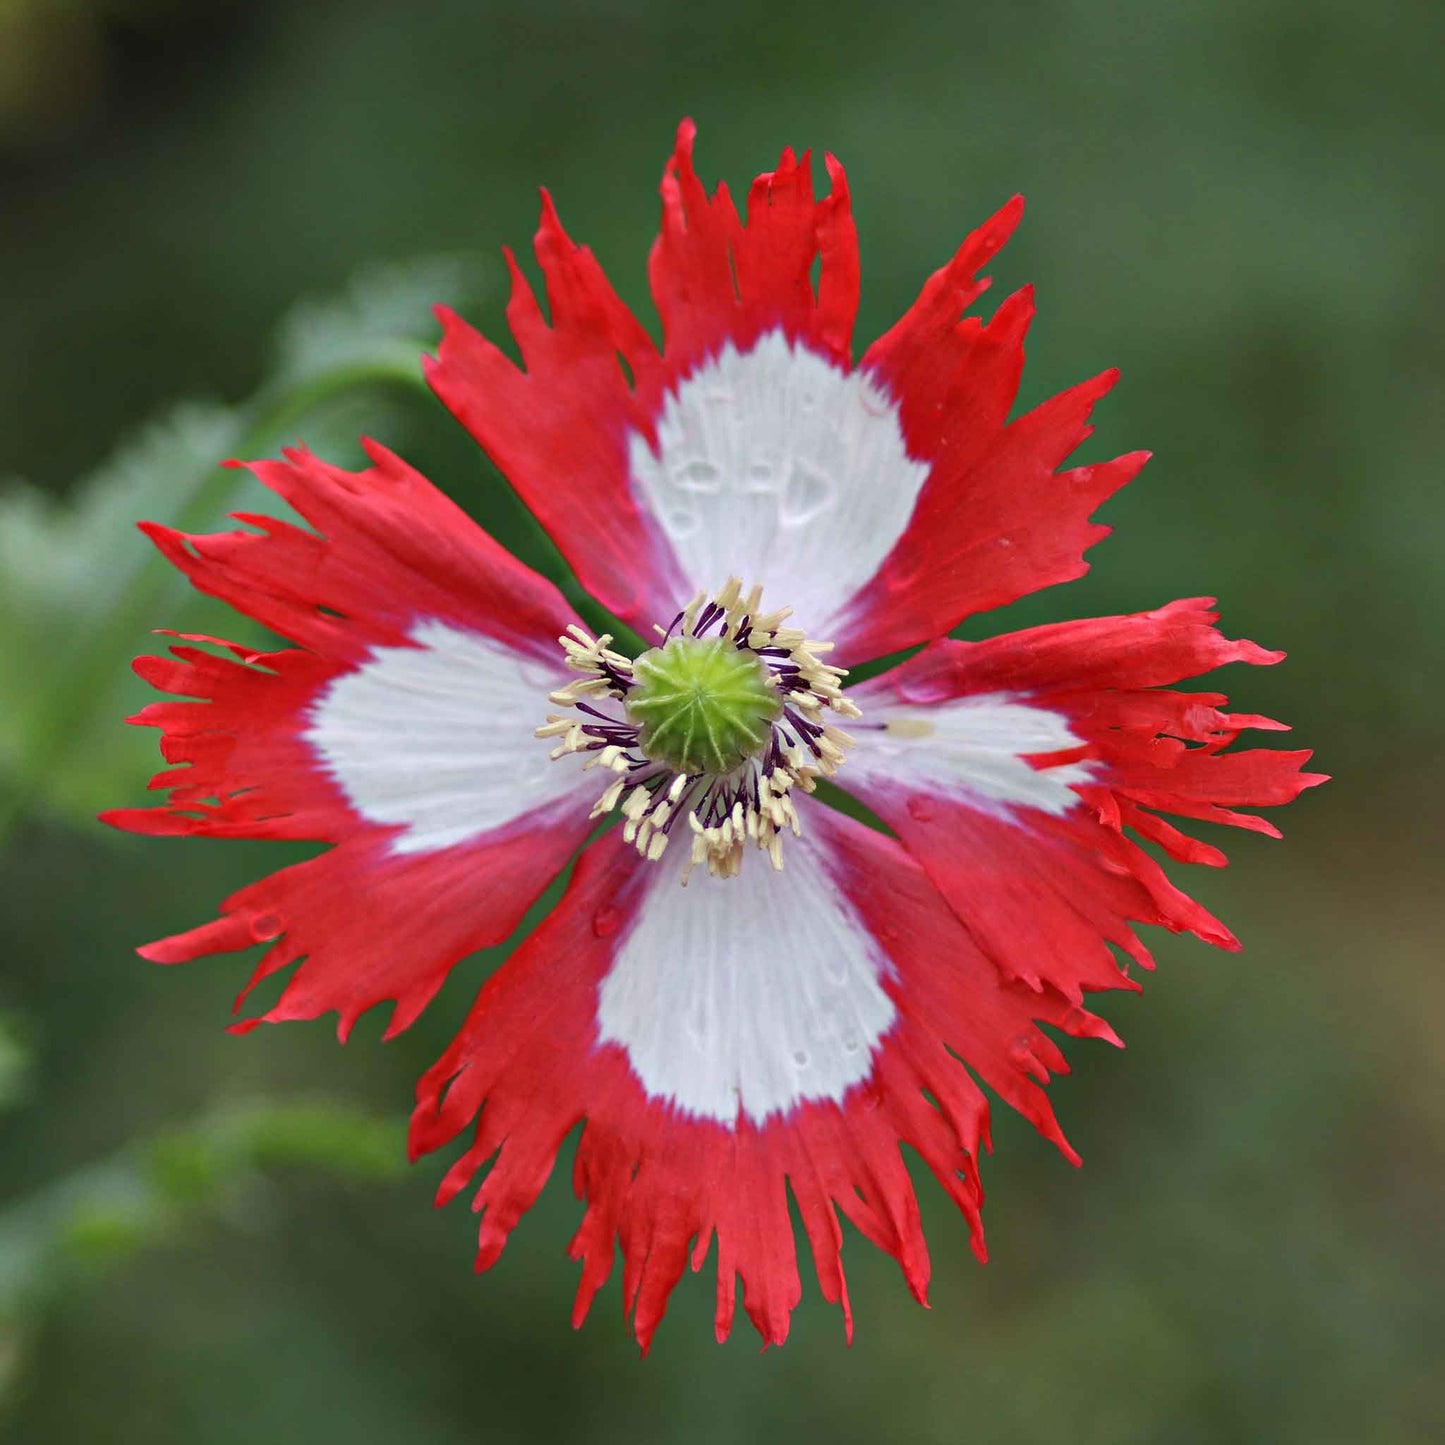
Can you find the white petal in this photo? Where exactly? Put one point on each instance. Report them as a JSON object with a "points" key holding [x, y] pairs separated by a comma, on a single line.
{"points": [[439, 737], [777, 467], [748, 994], [971, 748]]}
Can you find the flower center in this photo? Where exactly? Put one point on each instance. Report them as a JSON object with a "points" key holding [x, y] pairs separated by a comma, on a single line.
{"points": [[715, 726], [702, 705]]}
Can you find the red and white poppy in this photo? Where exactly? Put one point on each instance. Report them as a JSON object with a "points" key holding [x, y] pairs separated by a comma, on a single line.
{"points": [[767, 514]]}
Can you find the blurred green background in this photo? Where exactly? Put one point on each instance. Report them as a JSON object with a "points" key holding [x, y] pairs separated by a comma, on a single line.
{"points": [[1239, 203]]}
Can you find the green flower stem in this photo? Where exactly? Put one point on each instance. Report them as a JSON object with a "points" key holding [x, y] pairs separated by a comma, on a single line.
{"points": [[397, 366], [83, 677]]}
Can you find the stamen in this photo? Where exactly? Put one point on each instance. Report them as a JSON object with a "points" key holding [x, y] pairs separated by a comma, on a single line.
{"points": [[719, 730]]}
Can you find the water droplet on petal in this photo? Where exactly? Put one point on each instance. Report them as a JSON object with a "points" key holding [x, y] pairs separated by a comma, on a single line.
{"points": [[1021, 1050], [266, 926], [699, 475], [808, 493], [678, 517], [901, 575], [762, 478], [850, 1042], [800, 1058], [606, 921], [921, 808]]}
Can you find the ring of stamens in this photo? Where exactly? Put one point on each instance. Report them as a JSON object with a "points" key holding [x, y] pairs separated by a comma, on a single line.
{"points": [[783, 742]]}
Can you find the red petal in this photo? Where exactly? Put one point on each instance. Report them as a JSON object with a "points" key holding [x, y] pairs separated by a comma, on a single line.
{"points": [[996, 518], [1050, 897], [663, 1185], [715, 280], [372, 922], [388, 548], [369, 926], [559, 429], [560, 426]]}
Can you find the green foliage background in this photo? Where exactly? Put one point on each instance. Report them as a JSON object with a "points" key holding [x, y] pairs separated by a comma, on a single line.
{"points": [[1236, 201]]}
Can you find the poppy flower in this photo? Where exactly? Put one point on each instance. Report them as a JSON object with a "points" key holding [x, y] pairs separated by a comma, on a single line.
{"points": [[766, 514]]}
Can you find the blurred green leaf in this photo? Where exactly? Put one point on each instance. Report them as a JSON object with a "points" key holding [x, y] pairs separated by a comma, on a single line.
{"points": [[64, 566], [17, 1055], [189, 1175], [377, 312], [77, 588]]}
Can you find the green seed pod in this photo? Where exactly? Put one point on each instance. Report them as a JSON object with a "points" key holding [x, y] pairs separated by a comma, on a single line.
{"points": [[703, 705]]}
